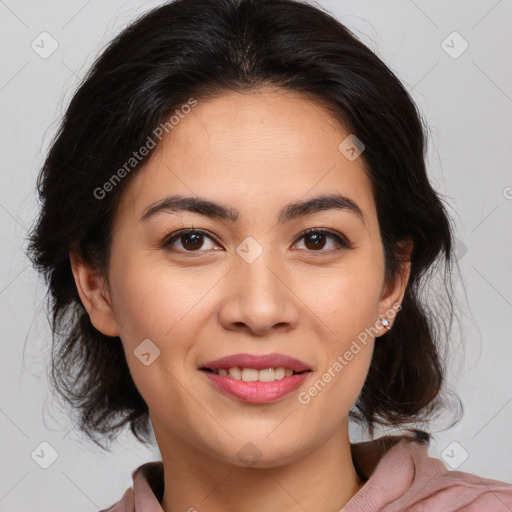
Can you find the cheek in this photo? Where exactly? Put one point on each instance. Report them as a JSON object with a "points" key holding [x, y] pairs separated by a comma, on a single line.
{"points": [[151, 303], [346, 359], [347, 306], [153, 300], [346, 298]]}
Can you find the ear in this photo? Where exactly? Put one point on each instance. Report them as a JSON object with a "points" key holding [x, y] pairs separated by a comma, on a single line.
{"points": [[393, 293], [94, 294]]}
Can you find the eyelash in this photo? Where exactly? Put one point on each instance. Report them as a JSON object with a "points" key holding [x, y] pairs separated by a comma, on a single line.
{"points": [[169, 240]]}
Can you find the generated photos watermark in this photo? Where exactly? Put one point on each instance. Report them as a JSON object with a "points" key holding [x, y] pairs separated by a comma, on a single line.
{"points": [[344, 359], [143, 151]]}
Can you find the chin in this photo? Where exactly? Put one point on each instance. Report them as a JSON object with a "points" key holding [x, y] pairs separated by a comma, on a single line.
{"points": [[261, 452]]}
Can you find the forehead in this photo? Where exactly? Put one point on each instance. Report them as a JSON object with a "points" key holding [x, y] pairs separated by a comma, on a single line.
{"points": [[254, 151]]}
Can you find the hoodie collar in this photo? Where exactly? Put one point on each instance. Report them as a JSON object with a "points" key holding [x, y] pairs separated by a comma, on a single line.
{"points": [[397, 472]]}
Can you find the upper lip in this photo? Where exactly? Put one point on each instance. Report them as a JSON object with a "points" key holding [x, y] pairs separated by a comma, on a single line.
{"points": [[259, 362]]}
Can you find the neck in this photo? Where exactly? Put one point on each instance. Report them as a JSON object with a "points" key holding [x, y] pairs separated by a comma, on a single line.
{"points": [[324, 480]]}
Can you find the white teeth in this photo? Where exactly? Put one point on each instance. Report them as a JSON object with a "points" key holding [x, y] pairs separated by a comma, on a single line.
{"points": [[250, 374], [266, 375], [235, 373], [280, 373], [253, 375]]}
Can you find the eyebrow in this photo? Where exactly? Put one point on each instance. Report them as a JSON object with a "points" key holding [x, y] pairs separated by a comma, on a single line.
{"points": [[294, 210]]}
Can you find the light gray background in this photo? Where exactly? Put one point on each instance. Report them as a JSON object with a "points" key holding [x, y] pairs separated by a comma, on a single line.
{"points": [[466, 100]]}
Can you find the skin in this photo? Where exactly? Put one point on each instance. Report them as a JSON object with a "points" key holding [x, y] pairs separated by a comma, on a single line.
{"points": [[255, 152]]}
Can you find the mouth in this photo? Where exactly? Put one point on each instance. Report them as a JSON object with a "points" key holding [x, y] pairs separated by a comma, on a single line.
{"points": [[256, 379]]}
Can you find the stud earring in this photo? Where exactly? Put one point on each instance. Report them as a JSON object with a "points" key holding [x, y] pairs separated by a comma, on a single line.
{"points": [[385, 323]]}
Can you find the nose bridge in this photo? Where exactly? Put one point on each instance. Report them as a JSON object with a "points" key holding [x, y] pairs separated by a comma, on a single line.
{"points": [[257, 273], [259, 296]]}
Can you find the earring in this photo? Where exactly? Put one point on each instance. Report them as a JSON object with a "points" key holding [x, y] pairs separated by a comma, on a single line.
{"points": [[385, 323]]}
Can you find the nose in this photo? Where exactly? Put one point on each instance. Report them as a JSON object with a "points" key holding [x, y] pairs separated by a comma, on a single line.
{"points": [[259, 298]]}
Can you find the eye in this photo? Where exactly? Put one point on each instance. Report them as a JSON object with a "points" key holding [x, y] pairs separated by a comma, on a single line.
{"points": [[316, 239], [191, 240]]}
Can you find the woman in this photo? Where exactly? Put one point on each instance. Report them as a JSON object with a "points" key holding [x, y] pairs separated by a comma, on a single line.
{"points": [[236, 226]]}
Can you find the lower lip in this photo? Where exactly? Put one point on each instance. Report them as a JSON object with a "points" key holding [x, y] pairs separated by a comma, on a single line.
{"points": [[257, 392]]}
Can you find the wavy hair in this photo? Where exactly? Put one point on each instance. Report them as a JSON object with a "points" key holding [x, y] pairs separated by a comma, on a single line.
{"points": [[201, 49]]}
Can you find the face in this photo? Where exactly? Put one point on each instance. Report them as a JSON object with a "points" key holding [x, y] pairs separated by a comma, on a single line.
{"points": [[265, 279]]}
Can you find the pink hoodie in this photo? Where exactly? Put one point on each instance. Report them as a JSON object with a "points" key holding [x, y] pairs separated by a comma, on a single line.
{"points": [[402, 478]]}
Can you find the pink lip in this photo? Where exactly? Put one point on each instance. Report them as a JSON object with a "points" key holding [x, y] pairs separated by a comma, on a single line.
{"points": [[256, 392], [257, 362]]}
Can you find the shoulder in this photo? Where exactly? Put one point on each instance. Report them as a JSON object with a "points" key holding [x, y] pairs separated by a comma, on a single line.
{"points": [[402, 476], [125, 504], [148, 486]]}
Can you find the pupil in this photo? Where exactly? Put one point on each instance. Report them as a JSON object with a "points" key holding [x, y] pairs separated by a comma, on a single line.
{"points": [[317, 238], [196, 241]]}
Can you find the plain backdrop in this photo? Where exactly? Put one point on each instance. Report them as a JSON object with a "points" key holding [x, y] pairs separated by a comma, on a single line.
{"points": [[454, 58]]}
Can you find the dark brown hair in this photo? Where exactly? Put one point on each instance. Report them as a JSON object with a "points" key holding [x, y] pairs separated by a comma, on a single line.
{"points": [[199, 48]]}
